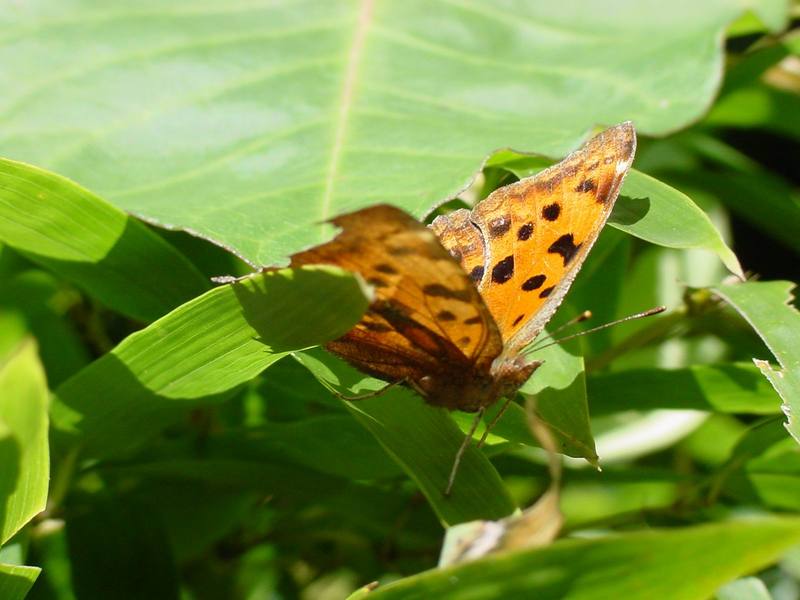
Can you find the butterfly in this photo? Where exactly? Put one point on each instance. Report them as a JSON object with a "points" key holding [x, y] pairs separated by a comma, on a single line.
{"points": [[456, 303]]}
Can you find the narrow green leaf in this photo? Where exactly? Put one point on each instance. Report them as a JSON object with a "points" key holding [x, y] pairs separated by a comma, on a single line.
{"points": [[16, 580], [24, 453], [82, 238], [767, 307], [660, 214], [207, 346], [423, 440], [680, 564], [727, 388]]}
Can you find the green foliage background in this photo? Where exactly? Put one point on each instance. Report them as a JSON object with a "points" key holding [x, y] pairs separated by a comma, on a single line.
{"points": [[166, 436]]}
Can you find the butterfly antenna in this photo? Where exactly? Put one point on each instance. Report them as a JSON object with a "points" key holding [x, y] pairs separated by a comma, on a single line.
{"points": [[647, 313], [585, 315]]}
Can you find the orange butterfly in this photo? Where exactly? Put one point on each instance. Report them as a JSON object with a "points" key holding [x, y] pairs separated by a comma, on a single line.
{"points": [[456, 304]]}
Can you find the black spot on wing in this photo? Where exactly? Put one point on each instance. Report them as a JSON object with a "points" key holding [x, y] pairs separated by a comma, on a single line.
{"points": [[473, 320], [546, 292], [587, 185], [551, 211], [533, 283], [503, 270], [517, 320], [565, 246], [445, 315], [525, 232]]}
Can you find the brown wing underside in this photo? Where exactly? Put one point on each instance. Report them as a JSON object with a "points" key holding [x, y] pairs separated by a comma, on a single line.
{"points": [[426, 317], [524, 244]]}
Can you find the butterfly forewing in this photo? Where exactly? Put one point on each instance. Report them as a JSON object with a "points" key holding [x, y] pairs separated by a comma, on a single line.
{"points": [[537, 232], [427, 316]]}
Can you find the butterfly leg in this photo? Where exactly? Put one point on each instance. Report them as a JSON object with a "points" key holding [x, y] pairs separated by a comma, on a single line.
{"points": [[460, 454], [494, 421]]}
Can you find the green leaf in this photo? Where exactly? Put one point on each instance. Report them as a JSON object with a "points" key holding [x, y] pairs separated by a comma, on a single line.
{"points": [[16, 580], [80, 237], [211, 117], [423, 440], [727, 388], [207, 346], [767, 307], [658, 213], [678, 564], [24, 453], [763, 468]]}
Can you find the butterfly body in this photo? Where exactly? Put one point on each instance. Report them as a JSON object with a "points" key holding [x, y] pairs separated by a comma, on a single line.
{"points": [[456, 303]]}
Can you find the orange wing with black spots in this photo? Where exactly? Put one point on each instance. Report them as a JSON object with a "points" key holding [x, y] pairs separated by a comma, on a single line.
{"points": [[427, 324], [524, 244]]}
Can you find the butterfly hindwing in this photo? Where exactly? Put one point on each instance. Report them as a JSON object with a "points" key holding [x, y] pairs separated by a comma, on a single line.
{"points": [[427, 316], [537, 232]]}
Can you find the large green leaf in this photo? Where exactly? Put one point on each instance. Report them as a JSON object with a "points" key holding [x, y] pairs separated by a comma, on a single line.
{"points": [[767, 307], [423, 440], [687, 564], [82, 238], [205, 347], [24, 455], [249, 122]]}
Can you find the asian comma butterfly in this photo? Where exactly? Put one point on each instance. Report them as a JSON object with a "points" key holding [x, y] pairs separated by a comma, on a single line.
{"points": [[457, 303]]}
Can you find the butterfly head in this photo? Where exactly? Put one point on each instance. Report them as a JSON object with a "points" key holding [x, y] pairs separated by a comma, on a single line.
{"points": [[469, 391]]}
